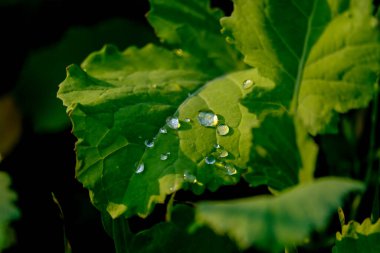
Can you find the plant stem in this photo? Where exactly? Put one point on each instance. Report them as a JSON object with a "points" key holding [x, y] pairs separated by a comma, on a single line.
{"points": [[371, 151]]}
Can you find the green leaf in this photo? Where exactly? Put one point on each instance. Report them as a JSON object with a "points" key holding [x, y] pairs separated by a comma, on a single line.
{"points": [[44, 68], [174, 236], [271, 222], [122, 101], [356, 237], [193, 28], [8, 212], [325, 55]]}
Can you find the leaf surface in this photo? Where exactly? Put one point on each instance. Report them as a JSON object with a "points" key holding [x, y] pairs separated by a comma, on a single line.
{"points": [[120, 104], [323, 54], [274, 222]]}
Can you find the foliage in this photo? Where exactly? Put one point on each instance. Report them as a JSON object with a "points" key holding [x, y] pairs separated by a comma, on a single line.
{"points": [[197, 114]]}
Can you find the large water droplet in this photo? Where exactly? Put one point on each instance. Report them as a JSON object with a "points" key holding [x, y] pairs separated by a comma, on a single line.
{"points": [[173, 122], [210, 160], [188, 177], [140, 168], [230, 169], [248, 84], [208, 119], [223, 153], [149, 144], [163, 130], [223, 129]]}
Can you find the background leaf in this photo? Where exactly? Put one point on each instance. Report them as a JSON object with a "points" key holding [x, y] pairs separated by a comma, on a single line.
{"points": [[8, 212], [327, 52], [193, 28], [274, 222], [356, 237]]}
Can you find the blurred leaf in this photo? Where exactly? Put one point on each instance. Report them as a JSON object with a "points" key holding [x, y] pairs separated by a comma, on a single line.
{"points": [[272, 223], [10, 125], [8, 212]]}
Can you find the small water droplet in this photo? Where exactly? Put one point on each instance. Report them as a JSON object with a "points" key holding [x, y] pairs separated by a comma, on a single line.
{"points": [[173, 122], [163, 130], [216, 145], [187, 120], [208, 119], [248, 84], [188, 177], [210, 160], [223, 153], [149, 144], [230, 169], [140, 168], [164, 157], [223, 129]]}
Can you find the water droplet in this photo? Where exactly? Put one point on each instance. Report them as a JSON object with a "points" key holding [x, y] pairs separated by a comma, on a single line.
{"points": [[188, 177], [216, 145], [230, 169], [223, 129], [164, 157], [223, 153], [208, 119], [163, 130], [140, 168], [149, 144], [187, 120], [173, 122], [210, 160], [248, 84]]}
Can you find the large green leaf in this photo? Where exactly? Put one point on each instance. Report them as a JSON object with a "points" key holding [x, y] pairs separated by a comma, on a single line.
{"points": [[120, 104], [323, 54], [274, 222], [44, 69], [356, 237], [8, 212], [193, 28]]}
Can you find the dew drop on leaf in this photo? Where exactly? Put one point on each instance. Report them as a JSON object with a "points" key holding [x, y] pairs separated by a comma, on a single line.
{"points": [[149, 144], [140, 168], [210, 160], [216, 145], [230, 169], [164, 157], [187, 120], [188, 177], [223, 129], [248, 84], [163, 130], [223, 153], [208, 119], [173, 122]]}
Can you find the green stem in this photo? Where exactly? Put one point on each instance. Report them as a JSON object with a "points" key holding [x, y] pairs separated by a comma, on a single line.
{"points": [[371, 151]]}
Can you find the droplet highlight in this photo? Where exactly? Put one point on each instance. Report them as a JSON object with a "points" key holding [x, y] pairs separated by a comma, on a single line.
{"points": [[187, 120], [248, 84], [149, 144], [164, 157], [208, 119], [163, 130], [230, 169], [223, 129], [210, 160], [140, 168], [173, 123]]}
